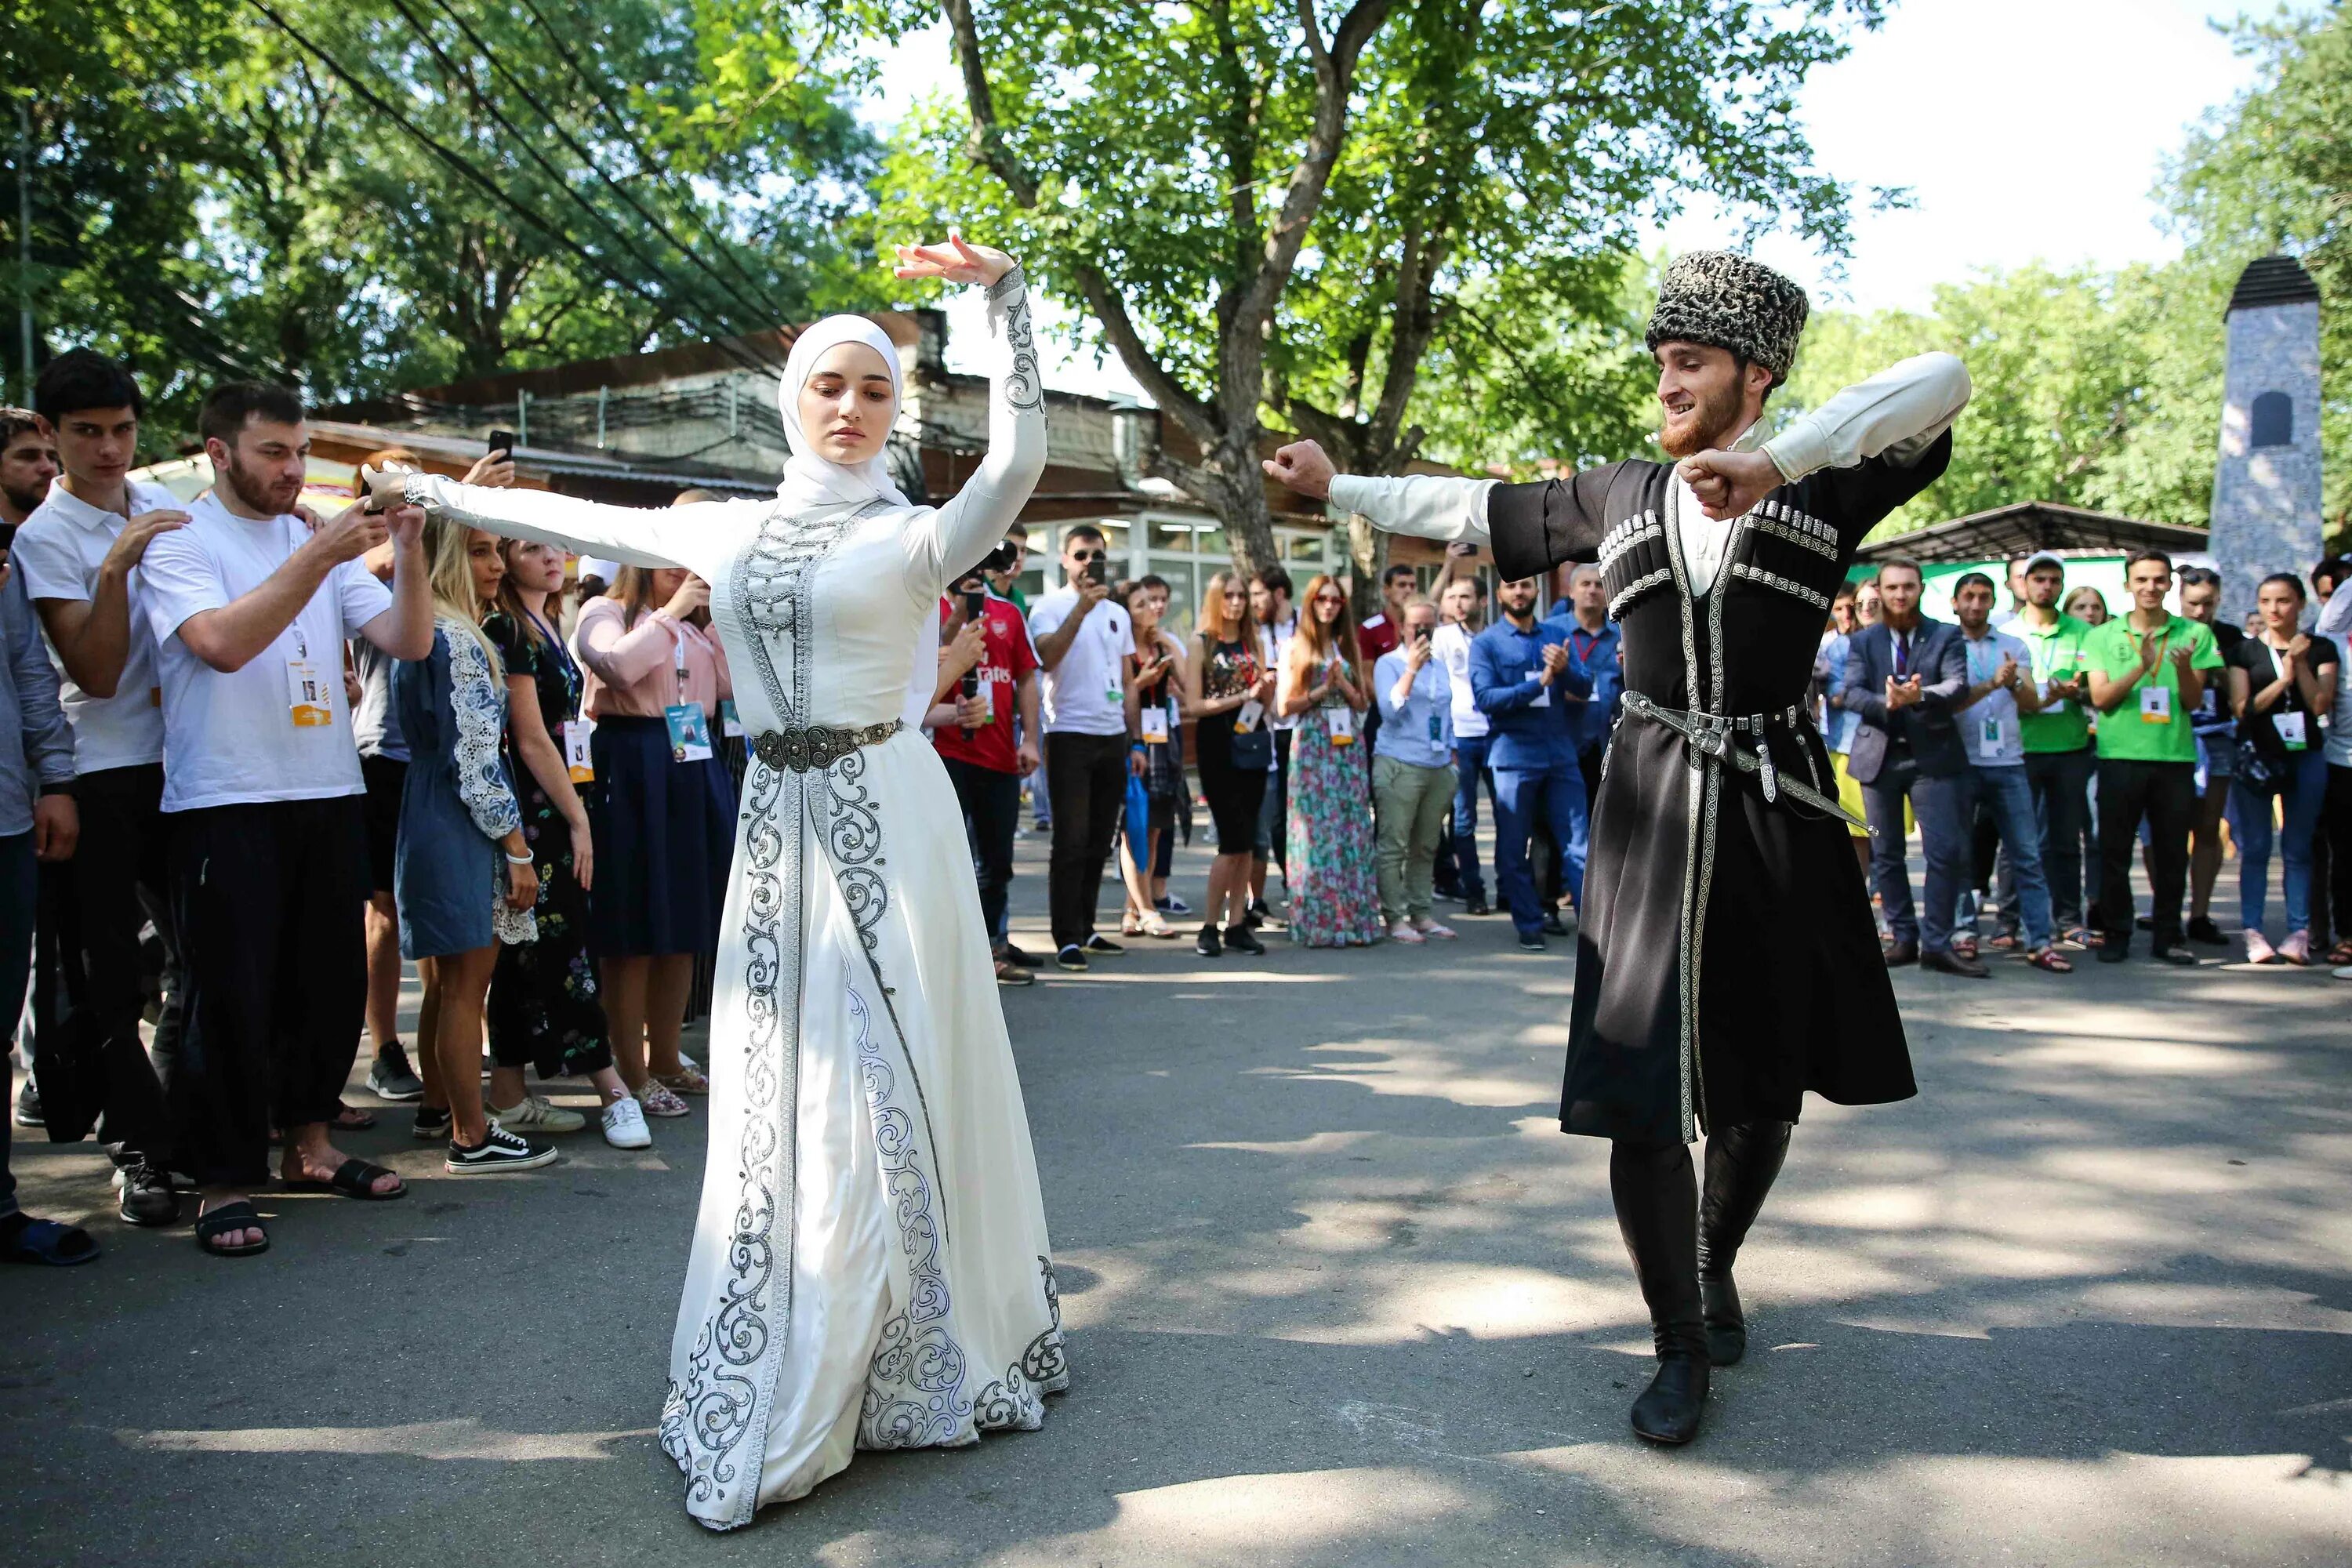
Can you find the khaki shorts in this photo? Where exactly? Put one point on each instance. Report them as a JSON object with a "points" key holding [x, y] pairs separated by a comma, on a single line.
{"points": [[1850, 797]]}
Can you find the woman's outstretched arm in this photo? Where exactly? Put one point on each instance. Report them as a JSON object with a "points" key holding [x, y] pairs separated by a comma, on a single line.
{"points": [[634, 536], [943, 545]]}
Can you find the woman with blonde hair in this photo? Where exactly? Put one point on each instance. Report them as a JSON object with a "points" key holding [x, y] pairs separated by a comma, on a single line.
{"points": [[1334, 890], [1227, 690], [870, 1267], [463, 878]]}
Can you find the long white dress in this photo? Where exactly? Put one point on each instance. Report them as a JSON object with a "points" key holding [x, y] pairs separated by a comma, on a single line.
{"points": [[870, 1265]]}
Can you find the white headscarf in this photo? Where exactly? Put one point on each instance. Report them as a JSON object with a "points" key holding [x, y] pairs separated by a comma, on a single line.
{"points": [[811, 480]]}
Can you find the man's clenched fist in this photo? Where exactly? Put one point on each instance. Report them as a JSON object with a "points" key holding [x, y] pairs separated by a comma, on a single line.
{"points": [[1303, 467], [1730, 484]]}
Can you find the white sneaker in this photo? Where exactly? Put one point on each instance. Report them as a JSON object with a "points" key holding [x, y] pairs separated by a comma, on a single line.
{"points": [[1436, 929], [2342, 973], [1401, 931], [537, 1115], [624, 1124]]}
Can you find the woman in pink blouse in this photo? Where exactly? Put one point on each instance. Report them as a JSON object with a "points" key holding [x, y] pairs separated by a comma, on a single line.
{"points": [[661, 815]]}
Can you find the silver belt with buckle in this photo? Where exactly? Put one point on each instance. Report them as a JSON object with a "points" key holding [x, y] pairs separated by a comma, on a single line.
{"points": [[1717, 736], [818, 746]]}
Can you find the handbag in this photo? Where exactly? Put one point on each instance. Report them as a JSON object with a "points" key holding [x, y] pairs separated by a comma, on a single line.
{"points": [[2256, 772]]}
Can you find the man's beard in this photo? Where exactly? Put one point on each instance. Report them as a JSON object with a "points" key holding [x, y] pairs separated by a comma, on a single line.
{"points": [[1709, 423], [259, 495], [26, 500]]}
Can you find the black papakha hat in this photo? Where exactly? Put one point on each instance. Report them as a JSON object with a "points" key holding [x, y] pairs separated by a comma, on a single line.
{"points": [[1724, 300]]}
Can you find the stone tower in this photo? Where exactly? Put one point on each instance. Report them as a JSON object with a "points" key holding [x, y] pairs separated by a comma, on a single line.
{"points": [[2266, 515]]}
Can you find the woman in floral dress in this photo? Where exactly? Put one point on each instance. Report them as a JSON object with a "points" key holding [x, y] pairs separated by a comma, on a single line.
{"points": [[1334, 897], [544, 1010]]}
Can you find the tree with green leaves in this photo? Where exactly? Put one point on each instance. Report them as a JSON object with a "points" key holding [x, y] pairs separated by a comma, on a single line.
{"points": [[1288, 213]]}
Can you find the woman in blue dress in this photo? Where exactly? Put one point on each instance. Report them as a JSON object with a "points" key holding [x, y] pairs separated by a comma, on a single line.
{"points": [[462, 873]]}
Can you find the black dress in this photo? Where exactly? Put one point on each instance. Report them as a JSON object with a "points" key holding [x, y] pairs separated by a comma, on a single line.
{"points": [[543, 1007], [1235, 796], [1726, 960]]}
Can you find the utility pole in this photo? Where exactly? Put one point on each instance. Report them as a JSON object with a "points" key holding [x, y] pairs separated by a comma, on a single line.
{"points": [[25, 252]]}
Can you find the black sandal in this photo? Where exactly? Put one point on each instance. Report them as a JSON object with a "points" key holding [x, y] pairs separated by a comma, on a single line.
{"points": [[354, 1179], [239, 1215]]}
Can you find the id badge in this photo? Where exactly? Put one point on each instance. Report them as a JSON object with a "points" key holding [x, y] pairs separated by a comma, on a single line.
{"points": [[1436, 728], [1342, 723], [689, 732], [577, 758], [1247, 716], [1992, 737], [2156, 705], [1155, 726], [2291, 730], [988, 699], [1542, 697], [731, 723], [312, 705]]}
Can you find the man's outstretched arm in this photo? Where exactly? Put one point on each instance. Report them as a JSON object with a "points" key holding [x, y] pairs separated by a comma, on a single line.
{"points": [[1532, 528], [1896, 415]]}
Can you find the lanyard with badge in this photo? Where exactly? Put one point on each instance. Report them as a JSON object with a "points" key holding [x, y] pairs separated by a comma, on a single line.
{"points": [[309, 698], [1989, 733], [579, 760], [1340, 719], [2052, 659], [2290, 725], [2156, 701], [689, 729]]}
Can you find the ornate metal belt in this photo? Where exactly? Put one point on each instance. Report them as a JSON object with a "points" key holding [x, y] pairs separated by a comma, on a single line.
{"points": [[819, 746], [1714, 736]]}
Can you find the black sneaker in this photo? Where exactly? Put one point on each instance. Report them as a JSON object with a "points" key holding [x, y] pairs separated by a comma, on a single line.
{"points": [[1022, 956], [498, 1153], [1554, 925], [147, 1196], [1171, 905], [1477, 905], [1207, 945], [1072, 958], [2114, 951], [1102, 946], [28, 1106], [1532, 941], [1241, 939], [432, 1124], [2202, 929], [392, 1077]]}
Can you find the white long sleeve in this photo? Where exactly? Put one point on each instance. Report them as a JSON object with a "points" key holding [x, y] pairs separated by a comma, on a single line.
{"points": [[687, 536], [1427, 506], [2336, 615], [942, 544], [1896, 413]]}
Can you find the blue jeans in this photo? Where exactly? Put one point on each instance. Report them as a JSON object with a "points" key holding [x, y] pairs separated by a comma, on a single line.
{"points": [[1943, 806], [2007, 795], [2304, 786], [1521, 795], [1469, 767], [19, 894]]}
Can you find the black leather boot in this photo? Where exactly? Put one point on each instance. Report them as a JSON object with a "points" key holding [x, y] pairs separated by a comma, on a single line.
{"points": [[1741, 1163], [1656, 1199]]}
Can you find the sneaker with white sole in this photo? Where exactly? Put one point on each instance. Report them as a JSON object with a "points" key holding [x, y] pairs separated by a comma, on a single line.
{"points": [[392, 1077], [656, 1101], [625, 1125], [1401, 931], [497, 1153], [537, 1115]]}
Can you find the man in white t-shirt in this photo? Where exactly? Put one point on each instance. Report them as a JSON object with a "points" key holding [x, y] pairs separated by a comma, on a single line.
{"points": [[2001, 687], [1270, 604], [250, 607], [1462, 607], [1086, 647], [78, 554]]}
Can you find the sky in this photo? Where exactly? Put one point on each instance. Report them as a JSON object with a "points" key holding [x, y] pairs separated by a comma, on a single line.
{"points": [[2025, 130]]}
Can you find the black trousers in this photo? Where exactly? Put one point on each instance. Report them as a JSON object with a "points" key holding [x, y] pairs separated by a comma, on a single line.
{"points": [[2166, 793], [2335, 829], [92, 909], [1086, 775], [992, 816], [268, 898]]}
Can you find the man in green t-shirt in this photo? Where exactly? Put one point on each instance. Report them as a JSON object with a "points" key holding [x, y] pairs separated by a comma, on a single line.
{"points": [[2148, 675], [2058, 757]]}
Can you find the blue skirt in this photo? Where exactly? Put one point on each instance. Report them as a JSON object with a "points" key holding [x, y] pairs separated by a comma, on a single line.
{"points": [[664, 840]]}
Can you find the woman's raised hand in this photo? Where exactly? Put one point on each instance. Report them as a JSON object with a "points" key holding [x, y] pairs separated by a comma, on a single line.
{"points": [[954, 262], [692, 595]]}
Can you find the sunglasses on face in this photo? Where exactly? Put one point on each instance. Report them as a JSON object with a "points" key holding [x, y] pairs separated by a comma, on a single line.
{"points": [[1083, 555], [1329, 599]]}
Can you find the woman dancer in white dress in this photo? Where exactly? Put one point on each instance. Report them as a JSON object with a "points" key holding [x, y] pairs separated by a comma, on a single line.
{"points": [[870, 1265]]}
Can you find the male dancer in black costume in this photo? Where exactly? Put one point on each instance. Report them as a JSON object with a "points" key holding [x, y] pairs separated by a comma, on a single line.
{"points": [[1726, 960]]}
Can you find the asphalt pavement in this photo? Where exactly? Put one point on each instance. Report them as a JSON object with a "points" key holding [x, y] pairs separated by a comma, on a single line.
{"points": [[1337, 1291]]}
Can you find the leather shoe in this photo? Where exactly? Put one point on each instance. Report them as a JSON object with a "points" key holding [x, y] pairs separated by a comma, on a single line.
{"points": [[1668, 1411], [1899, 954], [2202, 929], [1726, 1324], [1554, 925], [2115, 950], [1948, 962]]}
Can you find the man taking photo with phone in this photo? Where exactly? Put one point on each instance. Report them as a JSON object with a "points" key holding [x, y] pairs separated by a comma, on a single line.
{"points": [[1084, 642], [984, 759]]}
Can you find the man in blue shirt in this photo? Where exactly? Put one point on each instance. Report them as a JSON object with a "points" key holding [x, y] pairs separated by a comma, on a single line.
{"points": [[1594, 651], [1522, 680]]}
